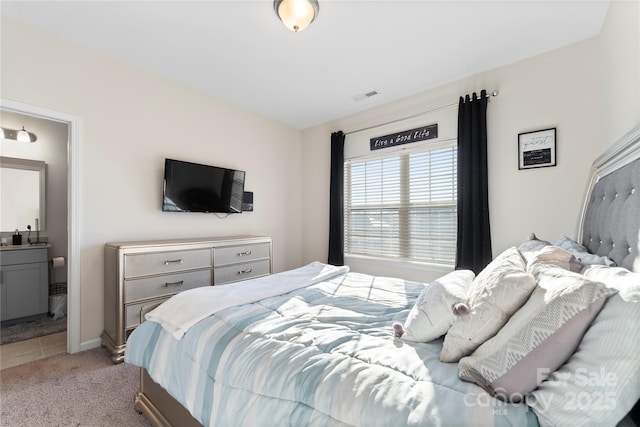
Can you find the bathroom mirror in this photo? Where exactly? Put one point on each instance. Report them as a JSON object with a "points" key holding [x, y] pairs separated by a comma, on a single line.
{"points": [[23, 194]]}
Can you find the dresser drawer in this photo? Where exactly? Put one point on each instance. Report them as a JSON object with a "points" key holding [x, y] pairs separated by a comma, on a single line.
{"points": [[233, 273], [132, 312], [242, 253], [136, 265], [167, 284]]}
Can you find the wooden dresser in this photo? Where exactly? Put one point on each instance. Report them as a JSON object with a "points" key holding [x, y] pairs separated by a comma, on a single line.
{"points": [[140, 275]]}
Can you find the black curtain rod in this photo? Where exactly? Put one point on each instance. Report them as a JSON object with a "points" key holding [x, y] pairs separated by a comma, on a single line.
{"points": [[433, 110]]}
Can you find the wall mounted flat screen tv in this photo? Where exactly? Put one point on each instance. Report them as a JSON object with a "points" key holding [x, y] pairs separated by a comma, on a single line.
{"points": [[193, 187]]}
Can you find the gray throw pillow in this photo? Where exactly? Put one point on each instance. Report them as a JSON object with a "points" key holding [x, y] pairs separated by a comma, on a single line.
{"points": [[583, 255]]}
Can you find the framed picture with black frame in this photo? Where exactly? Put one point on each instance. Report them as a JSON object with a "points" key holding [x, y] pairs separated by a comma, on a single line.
{"points": [[537, 149]]}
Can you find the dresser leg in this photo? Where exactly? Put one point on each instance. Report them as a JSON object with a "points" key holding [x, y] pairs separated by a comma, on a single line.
{"points": [[117, 351]]}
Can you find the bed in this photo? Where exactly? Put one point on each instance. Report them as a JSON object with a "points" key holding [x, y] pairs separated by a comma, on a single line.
{"points": [[321, 345]]}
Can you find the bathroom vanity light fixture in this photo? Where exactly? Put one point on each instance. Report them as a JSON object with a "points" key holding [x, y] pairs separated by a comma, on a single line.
{"points": [[23, 135], [296, 15], [19, 135]]}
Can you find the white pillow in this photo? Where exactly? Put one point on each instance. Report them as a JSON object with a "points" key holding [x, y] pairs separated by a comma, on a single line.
{"points": [[432, 315], [600, 383], [626, 282], [495, 294]]}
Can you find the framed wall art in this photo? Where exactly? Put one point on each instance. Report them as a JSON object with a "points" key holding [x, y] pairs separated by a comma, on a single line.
{"points": [[537, 149]]}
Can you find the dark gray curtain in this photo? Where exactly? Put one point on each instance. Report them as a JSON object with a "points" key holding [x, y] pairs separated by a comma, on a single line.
{"points": [[336, 200], [473, 250]]}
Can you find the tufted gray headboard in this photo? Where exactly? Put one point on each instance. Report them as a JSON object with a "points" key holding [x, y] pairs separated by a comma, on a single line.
{"points": [[610, 223]]}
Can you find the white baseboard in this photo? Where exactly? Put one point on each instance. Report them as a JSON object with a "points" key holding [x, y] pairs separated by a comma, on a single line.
{"points": [[91, 344]]}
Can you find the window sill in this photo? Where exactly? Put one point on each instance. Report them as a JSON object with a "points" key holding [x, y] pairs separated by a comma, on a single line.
{"points": [[408, 270]]}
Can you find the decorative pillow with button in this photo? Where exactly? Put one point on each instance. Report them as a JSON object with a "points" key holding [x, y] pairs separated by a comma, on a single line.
{"points": [[495, 294], [436, 308]]}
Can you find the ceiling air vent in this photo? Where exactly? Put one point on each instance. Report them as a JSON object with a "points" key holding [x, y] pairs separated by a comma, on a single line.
{"points": [[365, 95]]}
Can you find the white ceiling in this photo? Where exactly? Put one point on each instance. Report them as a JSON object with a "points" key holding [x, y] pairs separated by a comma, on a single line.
{"points": [[239, 51]]}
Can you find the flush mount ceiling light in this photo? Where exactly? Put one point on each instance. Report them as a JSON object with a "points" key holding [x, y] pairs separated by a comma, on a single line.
{"points": [[18, 135], [296, 15]]}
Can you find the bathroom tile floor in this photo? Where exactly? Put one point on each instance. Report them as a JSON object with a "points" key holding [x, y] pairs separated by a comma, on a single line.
{"points": [[17, 353]]}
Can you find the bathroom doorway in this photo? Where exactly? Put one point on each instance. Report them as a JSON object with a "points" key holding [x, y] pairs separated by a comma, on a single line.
{"points": [[35, 211], [60, 231]]}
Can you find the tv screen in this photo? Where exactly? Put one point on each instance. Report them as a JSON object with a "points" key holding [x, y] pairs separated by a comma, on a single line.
{"points": [[192, 187]]}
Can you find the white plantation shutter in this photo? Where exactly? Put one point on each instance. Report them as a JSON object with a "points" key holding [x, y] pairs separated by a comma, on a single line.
{"points": [[403, 206]]}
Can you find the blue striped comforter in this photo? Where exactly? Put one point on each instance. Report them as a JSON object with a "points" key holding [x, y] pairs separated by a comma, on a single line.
{"points": [[323, 355]]}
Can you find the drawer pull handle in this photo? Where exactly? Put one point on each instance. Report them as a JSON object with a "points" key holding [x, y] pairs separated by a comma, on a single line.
{"points": [[166, 285], [244, 253], [173, 261], [247, 271]]}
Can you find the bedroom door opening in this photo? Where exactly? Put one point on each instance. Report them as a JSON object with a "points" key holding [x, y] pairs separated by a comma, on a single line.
{"points": [[71, 181], [33, 320]]}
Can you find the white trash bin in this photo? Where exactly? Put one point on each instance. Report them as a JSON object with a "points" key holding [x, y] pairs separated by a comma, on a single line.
{"points": [[58, 300]]}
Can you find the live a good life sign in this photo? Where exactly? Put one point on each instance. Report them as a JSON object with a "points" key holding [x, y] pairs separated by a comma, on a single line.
{"points": [[404, 137]]}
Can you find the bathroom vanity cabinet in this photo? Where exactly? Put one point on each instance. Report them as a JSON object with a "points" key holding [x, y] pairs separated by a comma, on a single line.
{"points": [[24, 280]]}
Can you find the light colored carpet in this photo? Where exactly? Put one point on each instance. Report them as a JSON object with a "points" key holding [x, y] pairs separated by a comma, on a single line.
{"points": [[81, 389]]}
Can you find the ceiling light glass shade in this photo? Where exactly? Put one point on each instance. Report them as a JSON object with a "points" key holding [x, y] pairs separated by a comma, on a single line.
{"points": [[23, 136], [296, 15]]}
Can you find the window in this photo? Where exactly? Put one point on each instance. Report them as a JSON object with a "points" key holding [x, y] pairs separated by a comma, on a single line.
{"points": [[403, 206]]}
